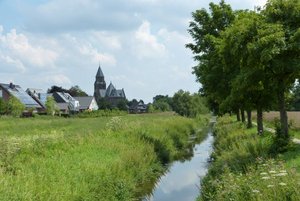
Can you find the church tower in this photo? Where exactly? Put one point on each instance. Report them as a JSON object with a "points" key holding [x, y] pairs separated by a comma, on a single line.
{"points": [[99, 85]]}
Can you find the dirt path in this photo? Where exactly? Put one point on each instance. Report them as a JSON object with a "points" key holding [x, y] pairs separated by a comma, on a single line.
{"points": [[294, 140]]}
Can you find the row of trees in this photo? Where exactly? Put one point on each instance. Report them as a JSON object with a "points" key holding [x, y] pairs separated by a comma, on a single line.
{"points": [[182, 102], [248, 60]]}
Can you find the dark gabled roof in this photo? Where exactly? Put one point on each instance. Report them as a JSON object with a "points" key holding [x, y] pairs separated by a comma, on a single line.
{"points": [[99, 72], [19, 93], [110, 90], [121, 93], [84, 101]]}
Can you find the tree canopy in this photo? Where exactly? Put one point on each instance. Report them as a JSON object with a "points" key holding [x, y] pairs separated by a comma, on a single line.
{"points": [[247, 59]]}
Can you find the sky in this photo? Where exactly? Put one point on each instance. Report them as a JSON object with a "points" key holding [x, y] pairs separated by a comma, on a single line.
{"points": [[140, 44]]}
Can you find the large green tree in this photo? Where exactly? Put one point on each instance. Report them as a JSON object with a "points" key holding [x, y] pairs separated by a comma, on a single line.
{"points": [[285, 64], [204, 29]]}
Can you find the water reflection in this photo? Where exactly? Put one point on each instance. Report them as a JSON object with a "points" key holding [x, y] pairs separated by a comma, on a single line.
{"points": [[181, 182]]}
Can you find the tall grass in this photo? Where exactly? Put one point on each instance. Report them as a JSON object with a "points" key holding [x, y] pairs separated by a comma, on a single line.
{"points": [[243, 168], [104, 158]]}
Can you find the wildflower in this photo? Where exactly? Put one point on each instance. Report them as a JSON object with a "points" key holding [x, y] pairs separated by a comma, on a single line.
{"points": [[270, 186], [255, 191], [282, 171], [265, 178], [281, 174], [272, 171], [263, 173], [282, 184]]}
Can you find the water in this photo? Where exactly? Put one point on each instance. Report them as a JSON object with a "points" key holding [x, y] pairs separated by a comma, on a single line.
{"points": [[182, 180]]}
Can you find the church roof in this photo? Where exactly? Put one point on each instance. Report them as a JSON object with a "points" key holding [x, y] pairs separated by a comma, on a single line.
{"points": [[110, 90], [99, 72]]}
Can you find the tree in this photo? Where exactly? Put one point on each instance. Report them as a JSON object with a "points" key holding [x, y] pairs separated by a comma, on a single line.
{"points": [[104, 104], [55, 88], [51, 107], [73, 91], [161, 105], [250, 86], [285, 64], [205, 29], [122, 105], [15, 107], [76, 91]]}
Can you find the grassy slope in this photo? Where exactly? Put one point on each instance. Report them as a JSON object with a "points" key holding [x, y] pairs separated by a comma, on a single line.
{"points": [[104, 158], [244, 170]]}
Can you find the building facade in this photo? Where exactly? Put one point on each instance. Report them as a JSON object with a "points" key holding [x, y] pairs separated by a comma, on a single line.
{"points": [[110, 94]]}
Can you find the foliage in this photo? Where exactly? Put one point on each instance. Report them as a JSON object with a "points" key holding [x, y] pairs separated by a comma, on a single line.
{"points": [[76, 91], [247, 59], [101, 113], [189, 105], [161, 105], [150, 108], [3, 106], [242, 159], [204, 29], [295, 98], [73, 91], [15, 107], [104, 158], [122, 105], [51, 107], [103, 104]]}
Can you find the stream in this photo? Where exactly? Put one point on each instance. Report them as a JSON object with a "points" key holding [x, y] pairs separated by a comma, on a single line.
{"points": [[182, 180]]}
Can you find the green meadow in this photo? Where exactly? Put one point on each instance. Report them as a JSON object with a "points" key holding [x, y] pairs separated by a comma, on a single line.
{"points": [[103, 158]]}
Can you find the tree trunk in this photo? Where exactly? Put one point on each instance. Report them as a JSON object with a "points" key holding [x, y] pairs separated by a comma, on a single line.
{"points": [[260, 126], [249, 119], [238, 117], [243, 115], [283, 113]]}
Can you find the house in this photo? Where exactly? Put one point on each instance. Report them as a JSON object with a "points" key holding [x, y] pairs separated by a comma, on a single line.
{"points": [[39, 96], [64, 100], [8, 90], [138, 107], [109, 94], [87, 103]]}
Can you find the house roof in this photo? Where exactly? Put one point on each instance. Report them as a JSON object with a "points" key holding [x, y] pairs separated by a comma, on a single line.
{"points": [[84, 101], [63, 97], [99, 72], [38, 95], [19, 93]]}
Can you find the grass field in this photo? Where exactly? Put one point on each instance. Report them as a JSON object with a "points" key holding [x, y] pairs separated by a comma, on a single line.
{"points": [[293, 117], [104, 158]]}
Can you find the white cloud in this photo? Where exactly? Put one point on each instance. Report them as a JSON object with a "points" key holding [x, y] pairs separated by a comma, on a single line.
{"points": [[57, 79], [106, 39], [11, 65], [18, 49], [146, 44], [96, 56]]}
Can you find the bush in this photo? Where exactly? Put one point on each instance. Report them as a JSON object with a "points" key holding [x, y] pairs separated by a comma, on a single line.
{"points": [[15, 107]]}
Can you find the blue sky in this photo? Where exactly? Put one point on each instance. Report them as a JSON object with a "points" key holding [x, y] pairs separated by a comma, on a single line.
{"points": [[139, 43]]}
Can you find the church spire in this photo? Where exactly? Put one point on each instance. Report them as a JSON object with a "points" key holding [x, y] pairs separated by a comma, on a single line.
{"points": [[99, 72]]}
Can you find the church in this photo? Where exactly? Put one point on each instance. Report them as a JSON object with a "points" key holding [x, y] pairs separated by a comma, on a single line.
{"points": [[110, 94]]}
